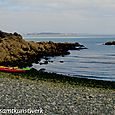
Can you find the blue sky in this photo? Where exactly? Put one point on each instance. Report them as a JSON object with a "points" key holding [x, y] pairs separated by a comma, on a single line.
{"points": [[80, 16]]}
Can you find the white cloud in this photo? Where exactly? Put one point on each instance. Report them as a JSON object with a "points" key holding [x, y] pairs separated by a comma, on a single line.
{"points": [[85, 7], [58, 15]]}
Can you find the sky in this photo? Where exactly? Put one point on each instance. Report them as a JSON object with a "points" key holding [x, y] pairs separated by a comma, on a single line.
{"points": [[65, 16]]}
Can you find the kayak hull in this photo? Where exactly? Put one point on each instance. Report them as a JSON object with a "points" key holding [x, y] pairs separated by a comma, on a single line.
{"points": [[12, 70]]}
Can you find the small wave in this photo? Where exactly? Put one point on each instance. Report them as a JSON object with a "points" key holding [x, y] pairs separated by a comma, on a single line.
{"points": [[100, 44], [97, 62], [110, 54], [95, 77], [93, 57]]}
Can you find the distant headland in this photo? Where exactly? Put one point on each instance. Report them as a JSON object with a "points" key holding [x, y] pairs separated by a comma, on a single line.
{"points": [[56, 34], [15, 51]]}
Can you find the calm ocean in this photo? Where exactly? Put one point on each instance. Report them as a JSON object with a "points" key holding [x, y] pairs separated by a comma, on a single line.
{"points": [[96, 62]]}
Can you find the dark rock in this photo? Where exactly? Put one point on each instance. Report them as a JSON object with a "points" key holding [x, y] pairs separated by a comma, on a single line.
{"points": [[51, 61], [42, 70], [61, 61], [110, 43], [16, 34], [45, 62], [46, 58], [41, 63], [2, 35]]}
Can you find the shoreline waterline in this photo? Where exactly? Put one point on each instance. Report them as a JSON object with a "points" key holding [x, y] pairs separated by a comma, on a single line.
{"points": [[33, 74]]}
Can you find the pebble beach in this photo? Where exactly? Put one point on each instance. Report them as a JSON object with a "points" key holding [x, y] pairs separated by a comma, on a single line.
{"points": [[55, 98]]}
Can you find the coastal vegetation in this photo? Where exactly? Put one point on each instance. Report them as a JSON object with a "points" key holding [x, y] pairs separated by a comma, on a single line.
{"points": [[15, 51]]}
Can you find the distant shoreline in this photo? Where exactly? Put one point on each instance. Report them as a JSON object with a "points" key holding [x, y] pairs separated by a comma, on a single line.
{"points": [[64, 35]]}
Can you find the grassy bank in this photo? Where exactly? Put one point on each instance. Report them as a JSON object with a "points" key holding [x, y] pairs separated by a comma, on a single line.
{"points": [[53, 77]]}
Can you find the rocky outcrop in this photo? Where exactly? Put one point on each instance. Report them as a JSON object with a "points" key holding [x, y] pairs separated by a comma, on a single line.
{"points": [[15, 51], [110, 43]]}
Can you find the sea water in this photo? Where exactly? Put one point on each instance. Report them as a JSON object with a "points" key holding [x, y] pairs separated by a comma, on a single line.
{"points": [[96, 62]]}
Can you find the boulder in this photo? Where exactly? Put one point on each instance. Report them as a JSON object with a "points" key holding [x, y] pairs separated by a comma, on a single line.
{"points": [[110, 43]]}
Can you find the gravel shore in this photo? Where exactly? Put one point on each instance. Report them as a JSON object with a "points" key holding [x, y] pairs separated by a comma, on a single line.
{"points": [[55, 98]]}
